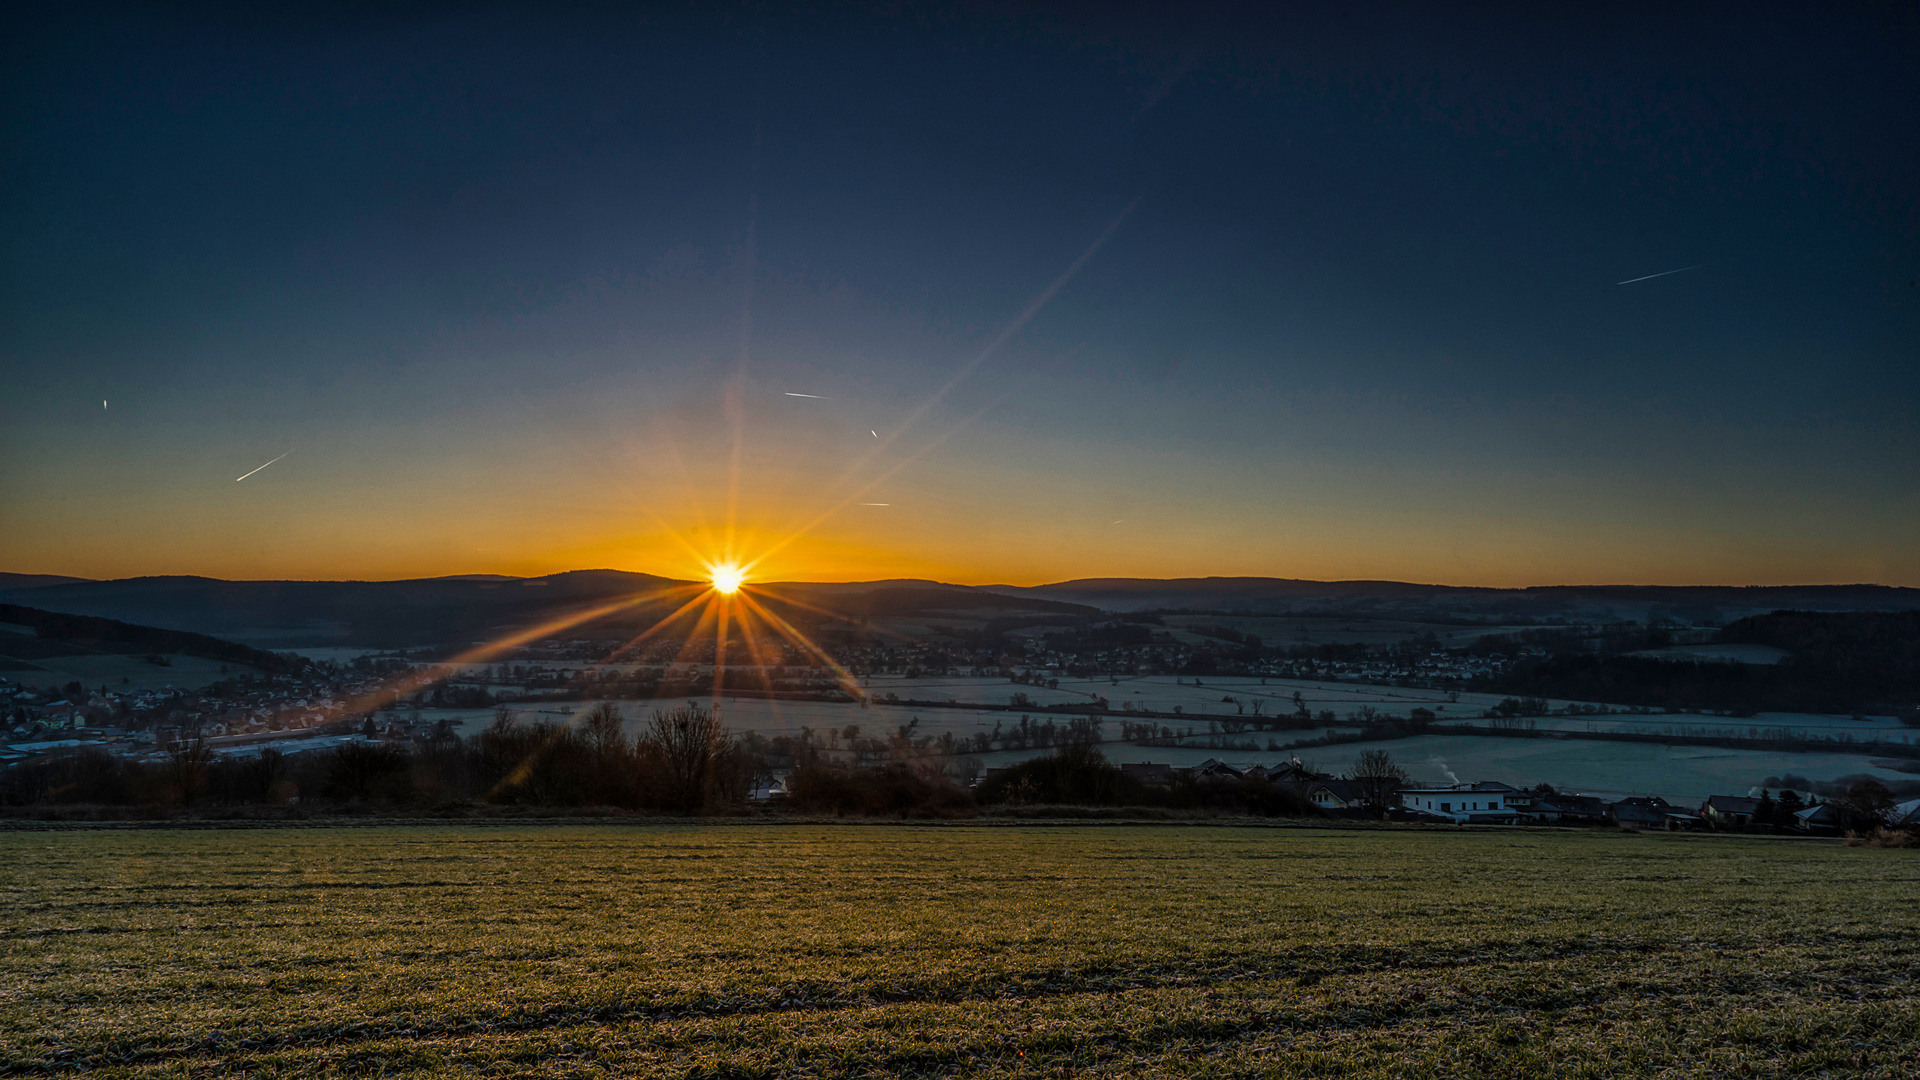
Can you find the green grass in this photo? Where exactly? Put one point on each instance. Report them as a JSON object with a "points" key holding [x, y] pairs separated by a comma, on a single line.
{"points": [[1017, 951]]}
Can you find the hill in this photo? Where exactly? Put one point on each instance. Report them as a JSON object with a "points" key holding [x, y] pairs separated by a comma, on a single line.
{"points": [[1407, 600], [469, 608], [50, 648], [10, 582]]}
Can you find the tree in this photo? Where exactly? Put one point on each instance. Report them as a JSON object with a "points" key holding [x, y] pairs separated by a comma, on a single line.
{"points": [[1866, 802], [604, 729], [187, 770], [685, 747], [1790, 805], [265, 775], [367, 772], [1379, 780]]}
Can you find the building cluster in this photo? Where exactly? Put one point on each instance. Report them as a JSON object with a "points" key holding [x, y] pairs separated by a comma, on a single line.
{"points": [[137, 723], [1052, 658], [1490, 802]]}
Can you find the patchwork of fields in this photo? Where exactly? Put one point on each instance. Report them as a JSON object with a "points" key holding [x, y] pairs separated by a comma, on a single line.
{"points": [[1681, 773], [755, 950]]}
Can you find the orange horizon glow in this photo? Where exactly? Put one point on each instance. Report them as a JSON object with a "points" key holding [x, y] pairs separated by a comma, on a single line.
{"points": [[840, 572]]}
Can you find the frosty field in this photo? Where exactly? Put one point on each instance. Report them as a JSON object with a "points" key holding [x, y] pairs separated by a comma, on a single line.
{"points": [[756, 950]]}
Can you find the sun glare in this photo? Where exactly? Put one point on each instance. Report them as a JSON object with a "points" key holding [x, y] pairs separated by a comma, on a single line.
{"points": [[726, 579]]}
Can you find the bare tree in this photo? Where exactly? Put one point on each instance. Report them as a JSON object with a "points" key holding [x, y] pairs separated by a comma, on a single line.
{"points": [[1378, 779], [265, 775], [685, 746], [187, 770], [604, 730]]}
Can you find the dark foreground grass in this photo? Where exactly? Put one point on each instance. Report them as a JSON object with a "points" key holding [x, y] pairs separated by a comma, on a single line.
{"points": [[823, 951]]}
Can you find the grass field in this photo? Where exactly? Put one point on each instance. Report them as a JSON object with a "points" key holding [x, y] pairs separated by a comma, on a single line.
{"points": [[807, 950]]}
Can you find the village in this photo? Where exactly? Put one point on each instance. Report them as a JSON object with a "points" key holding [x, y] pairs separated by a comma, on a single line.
{"points": [[310, 709]]}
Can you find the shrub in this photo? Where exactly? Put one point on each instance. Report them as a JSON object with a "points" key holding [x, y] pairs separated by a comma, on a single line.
{"points": [[1884, 837]]}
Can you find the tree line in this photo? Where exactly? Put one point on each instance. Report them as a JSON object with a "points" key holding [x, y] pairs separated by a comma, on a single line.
{"points": [[683, 762]]}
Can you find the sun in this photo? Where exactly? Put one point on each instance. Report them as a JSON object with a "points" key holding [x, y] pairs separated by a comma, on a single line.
{"points": [[726, 579]]}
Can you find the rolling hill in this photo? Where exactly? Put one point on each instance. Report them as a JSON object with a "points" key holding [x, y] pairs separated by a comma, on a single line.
{"points": [[454, 610]]}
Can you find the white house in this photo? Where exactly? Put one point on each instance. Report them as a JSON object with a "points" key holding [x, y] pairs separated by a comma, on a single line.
{"points": [[1483, 803]]}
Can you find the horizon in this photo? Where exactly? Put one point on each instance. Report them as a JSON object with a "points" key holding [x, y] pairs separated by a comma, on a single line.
{"points": [[759, 582]]}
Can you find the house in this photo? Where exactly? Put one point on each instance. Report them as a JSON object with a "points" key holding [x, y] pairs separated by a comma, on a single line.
{"points": [[1574, 809], [1641, 812], [1216, 770], [1330, 794], [1544, 806], [1148, 772], [1906, 813], [1290, 772], [1527, 804], [1729, 811], [1652, 812], [1483, 803], [1824, 818]]}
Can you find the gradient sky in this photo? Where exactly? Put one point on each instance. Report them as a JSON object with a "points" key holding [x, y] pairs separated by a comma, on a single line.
{"points": [[518, 290]]}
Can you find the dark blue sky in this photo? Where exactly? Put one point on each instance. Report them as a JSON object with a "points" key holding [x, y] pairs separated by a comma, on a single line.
{"points": [[1362, 319]]}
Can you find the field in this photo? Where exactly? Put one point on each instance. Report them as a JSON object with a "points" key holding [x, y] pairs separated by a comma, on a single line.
{"points": [[754, 950], [1680, 773], [33, 661], [124, 674]]}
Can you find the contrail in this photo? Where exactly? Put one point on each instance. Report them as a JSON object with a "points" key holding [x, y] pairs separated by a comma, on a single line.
{"points": [[1662, 273], [237, 479], [873, 433], [876, 504], [815, 397]]}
